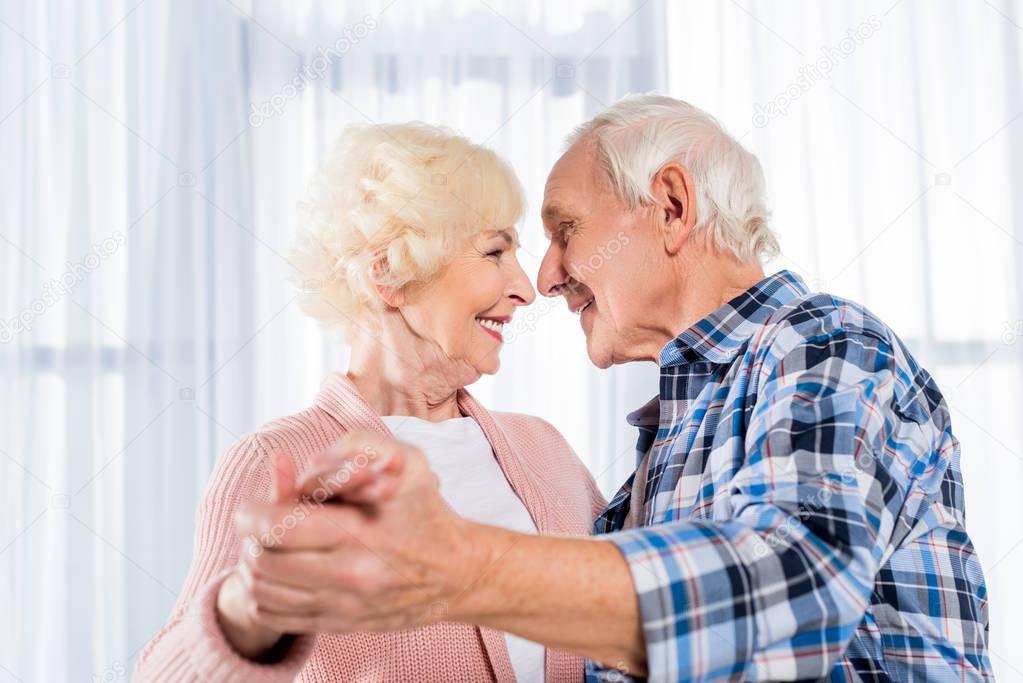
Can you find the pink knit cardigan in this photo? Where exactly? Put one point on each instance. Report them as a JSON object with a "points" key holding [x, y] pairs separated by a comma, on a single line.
{"points": [[554, 485]]}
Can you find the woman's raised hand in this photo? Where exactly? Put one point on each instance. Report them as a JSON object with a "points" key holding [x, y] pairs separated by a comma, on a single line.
{"points": [[385, 553], [235, 603]]}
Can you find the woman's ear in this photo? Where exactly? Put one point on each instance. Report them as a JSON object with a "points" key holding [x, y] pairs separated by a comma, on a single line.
{"points": [[675, 200], [392, 296]]}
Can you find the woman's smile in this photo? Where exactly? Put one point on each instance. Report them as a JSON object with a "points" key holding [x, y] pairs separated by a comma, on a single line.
{"points": [[494, 325]]}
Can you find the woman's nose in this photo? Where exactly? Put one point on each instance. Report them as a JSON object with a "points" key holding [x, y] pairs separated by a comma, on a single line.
{"points": [[520, 288]]}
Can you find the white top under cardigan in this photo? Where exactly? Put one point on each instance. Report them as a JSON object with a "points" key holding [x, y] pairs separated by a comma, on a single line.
{"points": [[473, 484]]}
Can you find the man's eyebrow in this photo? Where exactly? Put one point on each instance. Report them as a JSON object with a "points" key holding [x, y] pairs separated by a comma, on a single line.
{"points": [[559, 215], [553, 211]]}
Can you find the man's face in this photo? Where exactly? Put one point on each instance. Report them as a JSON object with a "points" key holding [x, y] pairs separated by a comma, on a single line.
{"points": [[604, 258]]}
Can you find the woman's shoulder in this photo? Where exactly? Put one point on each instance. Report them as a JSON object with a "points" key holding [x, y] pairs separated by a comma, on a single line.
{"points": [[529, 427], [538, 442], [302, 434], [543, 449], [247, 464]]}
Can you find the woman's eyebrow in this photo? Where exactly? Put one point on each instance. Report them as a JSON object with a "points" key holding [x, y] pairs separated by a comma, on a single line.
{"points": [[506, 235]]}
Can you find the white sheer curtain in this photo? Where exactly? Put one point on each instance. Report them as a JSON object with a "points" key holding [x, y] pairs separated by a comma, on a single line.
{"points": [[895, 181], [152, 154], [141, 161]]}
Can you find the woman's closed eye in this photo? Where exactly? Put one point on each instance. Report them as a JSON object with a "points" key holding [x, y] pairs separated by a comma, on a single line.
{"points": [[498, 245]]}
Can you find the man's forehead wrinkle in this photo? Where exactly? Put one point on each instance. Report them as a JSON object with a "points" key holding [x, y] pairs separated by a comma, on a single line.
{"points": [[572, 181], [554, 202]]}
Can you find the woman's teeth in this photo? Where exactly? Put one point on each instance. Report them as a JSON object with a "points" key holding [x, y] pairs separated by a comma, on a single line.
{"points": [[491, 324], [585, 306]]}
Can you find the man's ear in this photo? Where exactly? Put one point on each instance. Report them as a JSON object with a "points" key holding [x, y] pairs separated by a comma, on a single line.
{"points": [[392, 296], [675, 200]]}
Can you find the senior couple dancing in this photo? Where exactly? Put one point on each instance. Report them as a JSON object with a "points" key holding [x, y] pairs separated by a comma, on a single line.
{"points": [[796, 510]]}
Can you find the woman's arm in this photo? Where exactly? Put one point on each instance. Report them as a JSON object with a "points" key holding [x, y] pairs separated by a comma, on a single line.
{"points": [[201, 641]]}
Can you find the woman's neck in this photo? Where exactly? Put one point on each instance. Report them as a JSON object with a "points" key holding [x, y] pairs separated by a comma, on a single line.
{"points": [[392, 388]]}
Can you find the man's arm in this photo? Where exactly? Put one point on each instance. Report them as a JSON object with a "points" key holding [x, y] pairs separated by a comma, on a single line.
{"points": [[774, 593], [570, 594]]}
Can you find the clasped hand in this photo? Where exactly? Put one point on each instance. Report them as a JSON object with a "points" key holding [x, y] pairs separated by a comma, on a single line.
{"points": [[363, 542]]}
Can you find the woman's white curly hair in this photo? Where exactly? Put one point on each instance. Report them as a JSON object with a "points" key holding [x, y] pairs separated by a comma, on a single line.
{"points": [[392, 205]]}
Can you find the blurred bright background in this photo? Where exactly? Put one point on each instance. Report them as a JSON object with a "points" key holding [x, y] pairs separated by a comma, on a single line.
{"points": [[152, 153]]}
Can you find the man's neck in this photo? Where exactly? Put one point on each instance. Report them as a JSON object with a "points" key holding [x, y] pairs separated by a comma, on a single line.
{"points": [[702, 285]]}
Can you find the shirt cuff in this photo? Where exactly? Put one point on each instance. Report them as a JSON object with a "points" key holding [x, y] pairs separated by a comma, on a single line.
{"points": [[658, 597], [695, 600]]}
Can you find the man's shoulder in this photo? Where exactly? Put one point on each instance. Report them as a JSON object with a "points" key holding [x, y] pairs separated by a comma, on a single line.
{"points": [[818, 329], [826, 322], [818, 312]]}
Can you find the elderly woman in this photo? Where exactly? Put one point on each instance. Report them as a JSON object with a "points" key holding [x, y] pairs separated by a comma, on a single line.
{"points": [[408, 245]]}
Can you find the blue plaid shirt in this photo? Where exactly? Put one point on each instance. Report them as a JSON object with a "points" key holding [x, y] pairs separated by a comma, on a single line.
{"points": [[803, 512]]}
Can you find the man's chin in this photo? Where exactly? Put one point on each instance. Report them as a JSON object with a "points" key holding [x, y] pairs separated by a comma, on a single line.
{"points": [[600, 355]]}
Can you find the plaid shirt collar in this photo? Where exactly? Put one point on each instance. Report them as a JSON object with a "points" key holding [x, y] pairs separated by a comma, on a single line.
{"points": [[719, 336]]}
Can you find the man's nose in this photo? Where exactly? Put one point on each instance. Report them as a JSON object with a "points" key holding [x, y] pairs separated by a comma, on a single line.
{"points": [[552, 275]]}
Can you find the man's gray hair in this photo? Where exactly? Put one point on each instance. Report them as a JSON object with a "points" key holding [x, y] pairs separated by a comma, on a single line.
{"points": [[638, 135]]}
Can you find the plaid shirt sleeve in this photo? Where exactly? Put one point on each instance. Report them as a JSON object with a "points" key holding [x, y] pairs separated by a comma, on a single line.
{"points": [[775, 592]]}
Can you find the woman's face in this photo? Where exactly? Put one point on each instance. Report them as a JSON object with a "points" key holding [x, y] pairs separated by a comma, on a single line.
{"points": [[464, 308]]}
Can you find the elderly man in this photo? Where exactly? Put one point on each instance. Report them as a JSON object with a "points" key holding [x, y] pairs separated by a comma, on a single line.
{"points": [[797, 508]]}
